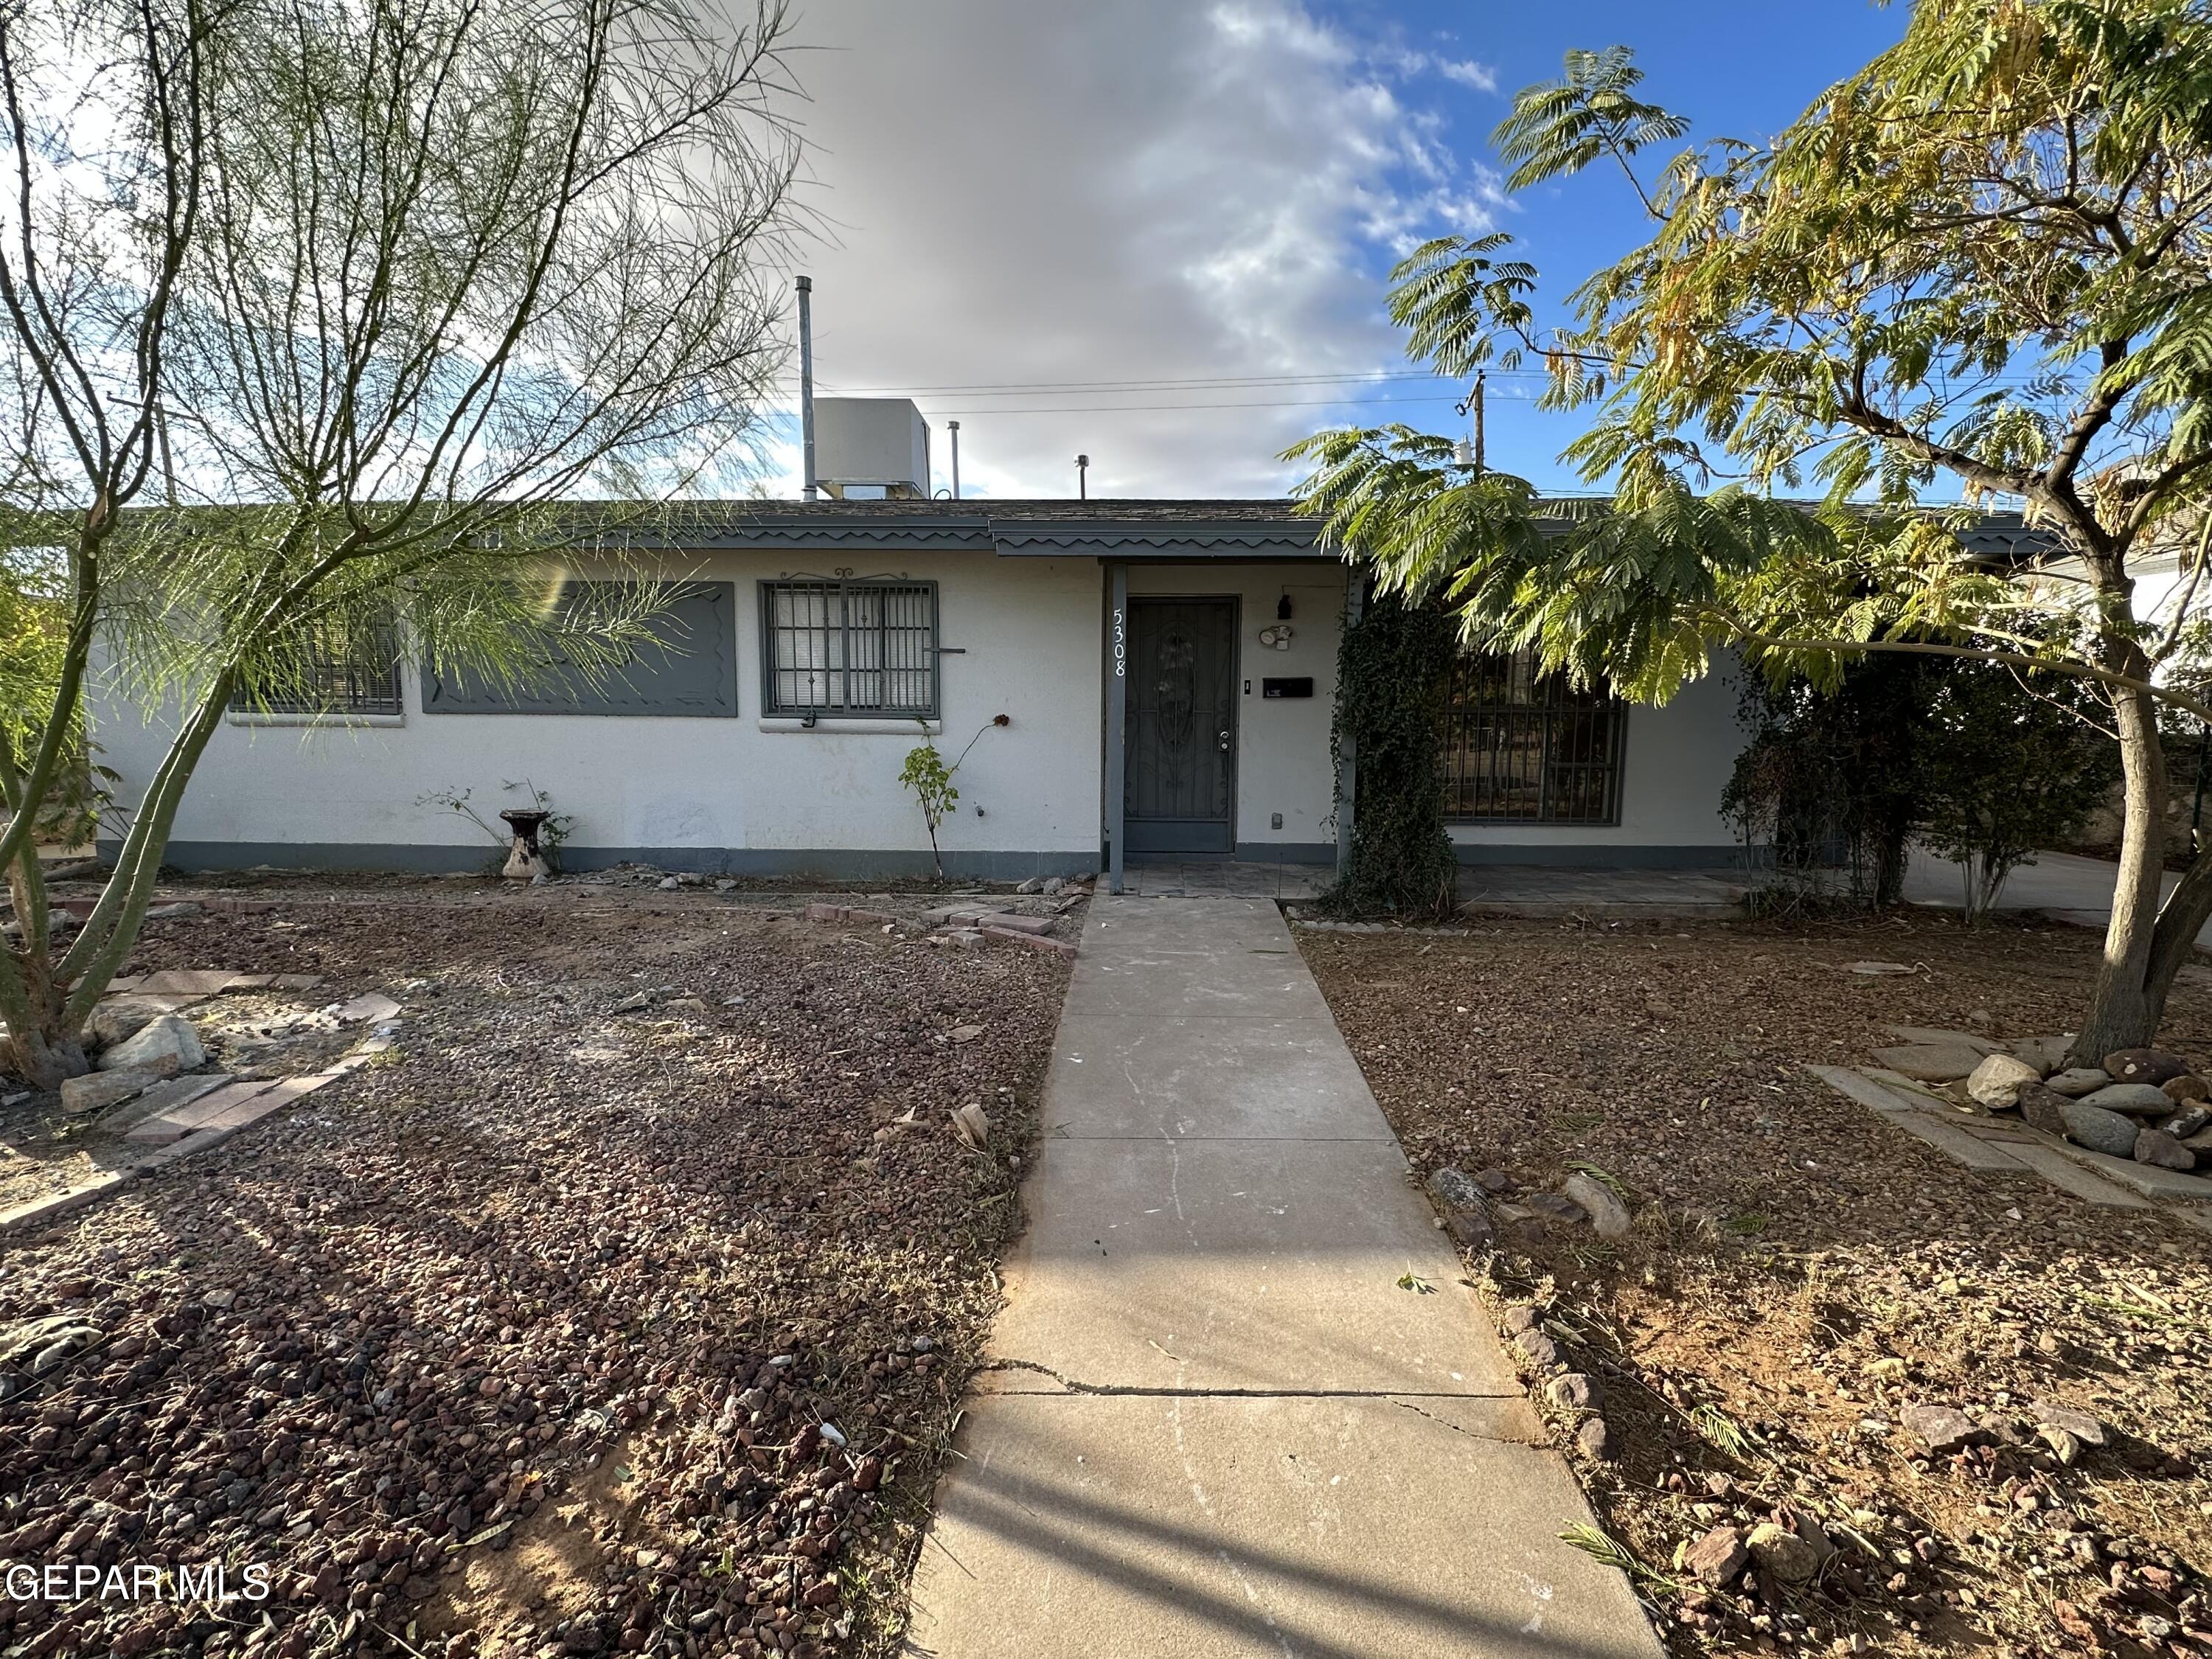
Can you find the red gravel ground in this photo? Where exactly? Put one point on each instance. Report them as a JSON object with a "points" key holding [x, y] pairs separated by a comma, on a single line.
{"points": [[559, 1330], [1799, 1273]]}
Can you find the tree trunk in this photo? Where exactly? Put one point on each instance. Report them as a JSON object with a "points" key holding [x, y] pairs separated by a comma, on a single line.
{"points": [[46, 1058], [2129, 997]]}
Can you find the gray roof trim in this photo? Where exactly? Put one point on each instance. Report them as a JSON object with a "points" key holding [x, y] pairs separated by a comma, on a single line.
{"points": [[1137, 540]]}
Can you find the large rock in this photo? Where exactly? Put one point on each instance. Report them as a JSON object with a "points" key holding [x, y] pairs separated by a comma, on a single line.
{"points": [[2161, 1151], [2134, 1099], [1607, 1213], [2044, 1108], [1454, 1189], [2089, 1430], [2188, 1120], [2099, 1130], [1943, 1429], [117, 1018], [2186, 1087], [96, 1091], [170, 1038], [1717, 1557], [2151, 1066], [2046, 1053], [2078, 1080], [1995, 1082], [1930, 1062], [1783, 1553]]}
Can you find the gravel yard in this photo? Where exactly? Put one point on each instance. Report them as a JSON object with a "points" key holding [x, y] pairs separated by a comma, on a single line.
{"points": [[1799, 1274], [614, 1308]]}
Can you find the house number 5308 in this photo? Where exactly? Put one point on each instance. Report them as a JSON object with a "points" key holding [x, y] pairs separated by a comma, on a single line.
{"points": [[1120, 643]]}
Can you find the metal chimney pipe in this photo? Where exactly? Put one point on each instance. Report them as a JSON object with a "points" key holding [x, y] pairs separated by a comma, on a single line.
{"points": [[806, 387], [953, 427], [1082, 477]]}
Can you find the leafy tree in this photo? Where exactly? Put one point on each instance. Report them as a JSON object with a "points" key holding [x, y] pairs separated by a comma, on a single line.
{"points": [[1834, 777], [1985, 260], [2006, 769], [312, 317]]}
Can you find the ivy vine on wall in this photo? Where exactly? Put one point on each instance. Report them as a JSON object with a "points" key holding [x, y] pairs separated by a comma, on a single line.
{"points": [[1392, 674]]}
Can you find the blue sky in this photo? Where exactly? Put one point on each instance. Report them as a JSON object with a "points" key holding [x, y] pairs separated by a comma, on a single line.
{"points": [[1153, 231], [1735, 71]]}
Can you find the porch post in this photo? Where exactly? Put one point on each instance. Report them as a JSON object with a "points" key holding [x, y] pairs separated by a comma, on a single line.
{"points": [[1117, 716], [1347, 763]]}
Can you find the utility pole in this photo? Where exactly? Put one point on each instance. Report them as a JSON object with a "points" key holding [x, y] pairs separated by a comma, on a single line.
{"points": [[953, 427], [806, 386]]}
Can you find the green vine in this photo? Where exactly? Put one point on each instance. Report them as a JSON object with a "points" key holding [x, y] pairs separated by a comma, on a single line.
{"points": [[1393, 668]]}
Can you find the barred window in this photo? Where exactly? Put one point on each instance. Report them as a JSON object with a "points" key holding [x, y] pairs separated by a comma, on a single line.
{"points": [[348, 669], [1525, 747], [837, 646]]}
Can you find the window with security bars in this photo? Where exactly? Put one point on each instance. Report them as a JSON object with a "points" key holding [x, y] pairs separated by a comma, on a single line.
{"points": [[836, 647], [1521, 746], [348, 669]]}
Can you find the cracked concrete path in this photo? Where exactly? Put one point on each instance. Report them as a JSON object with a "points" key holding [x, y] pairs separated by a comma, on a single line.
{"points": [[1240, 1400]]}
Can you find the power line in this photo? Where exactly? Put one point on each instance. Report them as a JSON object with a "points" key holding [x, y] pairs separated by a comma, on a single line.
{"points": [[1159, 383], [1153, 409]]}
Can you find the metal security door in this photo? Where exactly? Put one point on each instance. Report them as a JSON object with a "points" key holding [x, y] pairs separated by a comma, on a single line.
{"points": [[1180, 790]]}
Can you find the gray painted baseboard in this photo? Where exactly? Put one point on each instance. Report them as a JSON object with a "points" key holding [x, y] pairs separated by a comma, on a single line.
{"points": [[1592, 855], [835, 864], [1278, 852]]}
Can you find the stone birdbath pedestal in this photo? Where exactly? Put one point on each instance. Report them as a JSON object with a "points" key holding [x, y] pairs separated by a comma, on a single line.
{"points": [[526, 860]]}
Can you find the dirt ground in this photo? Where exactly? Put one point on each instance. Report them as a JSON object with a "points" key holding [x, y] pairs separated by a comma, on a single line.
{"points": [[613, 1309], [1799, 1273]]}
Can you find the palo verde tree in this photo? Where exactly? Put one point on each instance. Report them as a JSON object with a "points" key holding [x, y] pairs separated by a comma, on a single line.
{"points": [[315, 315], [1980, 268]]}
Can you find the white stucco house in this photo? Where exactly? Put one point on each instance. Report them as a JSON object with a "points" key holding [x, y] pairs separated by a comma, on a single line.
{"points": [[1166, 667]]}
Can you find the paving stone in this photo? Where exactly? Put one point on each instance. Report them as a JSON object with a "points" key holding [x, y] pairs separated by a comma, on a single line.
{"points": [[365, 1010], [1015, 924], [2063, 1172], [54, 1206], [180, 1121], [1931, 1062], [2146, 1178], [295, 981], [1035, 941], [1927, 1035], [1955, 1142], [187, 982], [177, 1092]]}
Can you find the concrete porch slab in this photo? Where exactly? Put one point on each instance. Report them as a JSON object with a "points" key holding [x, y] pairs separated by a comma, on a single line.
{"points": [[1268, 1265], [1230, 1529], [1124, 1075]]}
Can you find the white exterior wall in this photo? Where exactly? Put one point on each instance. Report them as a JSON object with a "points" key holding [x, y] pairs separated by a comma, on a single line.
{"points": [[682, 791], [1675, 762], [1282, 747]]}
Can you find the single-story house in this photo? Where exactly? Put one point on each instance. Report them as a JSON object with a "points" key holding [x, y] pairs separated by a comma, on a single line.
{"points": [[1166, 669]]}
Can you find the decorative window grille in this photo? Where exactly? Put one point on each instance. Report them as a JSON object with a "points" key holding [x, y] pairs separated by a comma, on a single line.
{"points": [[1524, 747], [345, 669], [838, 647]]}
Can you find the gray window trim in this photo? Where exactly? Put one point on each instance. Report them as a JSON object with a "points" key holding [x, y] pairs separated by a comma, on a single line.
{"points": [[359, 678], [774, 707], [1549, 709], [719, 649]]}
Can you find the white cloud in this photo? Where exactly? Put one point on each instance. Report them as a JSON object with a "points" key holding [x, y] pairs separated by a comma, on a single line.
{"points": [[1468, 73], [1023, 193]]}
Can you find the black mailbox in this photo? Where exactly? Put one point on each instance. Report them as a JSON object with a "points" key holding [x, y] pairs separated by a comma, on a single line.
{"points": [[1301, 686]]}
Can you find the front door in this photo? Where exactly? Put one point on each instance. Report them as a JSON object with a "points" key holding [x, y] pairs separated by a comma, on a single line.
{"points": [[1182, 726]]}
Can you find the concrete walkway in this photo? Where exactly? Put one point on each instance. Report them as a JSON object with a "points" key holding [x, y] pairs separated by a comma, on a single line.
{"points": [[1243, 1403]]}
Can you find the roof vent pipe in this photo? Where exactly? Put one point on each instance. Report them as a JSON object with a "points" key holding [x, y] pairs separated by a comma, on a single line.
{"points": [[953, 427], [806, 387]]}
